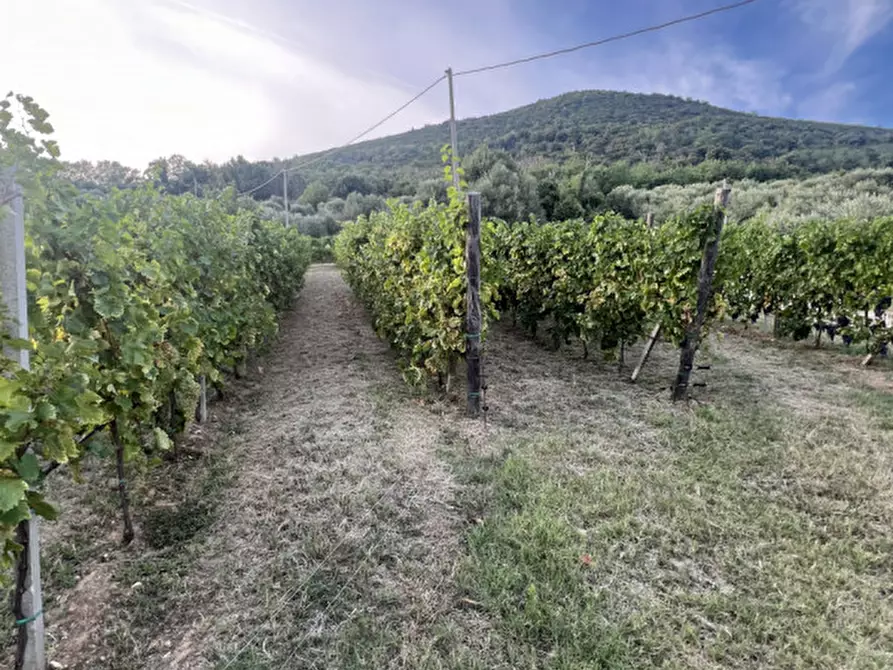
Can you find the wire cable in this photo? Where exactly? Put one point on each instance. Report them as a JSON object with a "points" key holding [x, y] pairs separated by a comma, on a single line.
{"points": [[499, 66], [257, 188], [606, 40], [329, 152], [371, 128]]}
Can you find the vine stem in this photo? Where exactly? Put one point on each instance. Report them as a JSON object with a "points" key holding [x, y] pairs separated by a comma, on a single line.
{"points": [[122, 484], [18, 610]]}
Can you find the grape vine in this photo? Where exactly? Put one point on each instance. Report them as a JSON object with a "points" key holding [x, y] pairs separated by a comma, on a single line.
{"points": [[131, 298], [605, 281], [407, 264], [820, 277]]}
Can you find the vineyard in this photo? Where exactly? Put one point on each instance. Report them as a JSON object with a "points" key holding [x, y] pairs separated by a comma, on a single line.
{"points": [[609, 281], [815, 278], [134, 299], [331, 515]]}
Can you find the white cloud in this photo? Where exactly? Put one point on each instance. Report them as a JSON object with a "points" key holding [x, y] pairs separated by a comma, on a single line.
{"points": [[846, 25], [721, 78], [828, 104], [109, 98], [139, 81], [132, 81], [687, 69]]}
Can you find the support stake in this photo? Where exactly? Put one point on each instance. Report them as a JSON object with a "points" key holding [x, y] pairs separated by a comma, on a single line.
{"points": [[473, 304], [203, 399], [705, 287], [28, 603], [649, 346]]}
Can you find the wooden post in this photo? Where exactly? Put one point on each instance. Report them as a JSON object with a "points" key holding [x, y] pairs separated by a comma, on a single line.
{"points": [[285, 194], [473, 304], [28, 598], [649, 219], [649, 346], [203, 399], [454, 141], [692, 337]]}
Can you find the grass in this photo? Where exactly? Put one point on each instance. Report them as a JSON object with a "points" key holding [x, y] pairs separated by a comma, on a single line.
{"points": [[587, 524], [528, 564], [741, 535], [151, 583], [764, 330], [878, 406]]}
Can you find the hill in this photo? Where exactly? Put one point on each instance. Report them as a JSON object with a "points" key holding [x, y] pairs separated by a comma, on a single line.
{"points": [[557, 157], [611, 126]]}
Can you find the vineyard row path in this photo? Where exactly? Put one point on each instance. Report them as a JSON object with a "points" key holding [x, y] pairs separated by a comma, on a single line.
{"points": [[342, 511]]}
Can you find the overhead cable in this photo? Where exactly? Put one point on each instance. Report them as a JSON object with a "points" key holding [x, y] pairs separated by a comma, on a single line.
{"points": [[606, 40]]}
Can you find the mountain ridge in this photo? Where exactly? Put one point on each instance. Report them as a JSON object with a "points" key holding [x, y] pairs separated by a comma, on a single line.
{"points": [[635, 127], [651, 138]]}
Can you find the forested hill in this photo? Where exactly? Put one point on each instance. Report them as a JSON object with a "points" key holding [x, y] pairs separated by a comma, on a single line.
{"points": [[647, 140], [611, 126]]}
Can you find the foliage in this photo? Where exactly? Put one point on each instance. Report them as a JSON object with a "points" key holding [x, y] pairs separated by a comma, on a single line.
{"points": [[831, 277], [131, 297], [507, 192], [860, 194], [315, 194], [322, 249], [100, 177], [583, 145], [605, 281], [408, 265]]}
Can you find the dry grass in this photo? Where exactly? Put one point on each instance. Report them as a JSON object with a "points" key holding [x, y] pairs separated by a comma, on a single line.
{"points": [[335, 544], [751, 531], [334, 518]]}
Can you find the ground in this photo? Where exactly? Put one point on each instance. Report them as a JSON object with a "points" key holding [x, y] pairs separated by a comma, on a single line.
{"points": [[331, 516]]}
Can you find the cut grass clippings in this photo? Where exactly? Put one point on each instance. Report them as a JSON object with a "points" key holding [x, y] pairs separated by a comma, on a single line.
{"points": [[587, 524], [749, 539]]}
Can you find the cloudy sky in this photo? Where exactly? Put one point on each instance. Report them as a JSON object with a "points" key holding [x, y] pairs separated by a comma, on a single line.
{"points": [[132, 80]]}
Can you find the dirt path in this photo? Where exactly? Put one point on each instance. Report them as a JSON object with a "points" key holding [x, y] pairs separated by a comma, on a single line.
{"points": [[337, 543]]}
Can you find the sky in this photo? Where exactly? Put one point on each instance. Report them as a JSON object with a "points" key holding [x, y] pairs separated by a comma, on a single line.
{"points": [[132, 80]]}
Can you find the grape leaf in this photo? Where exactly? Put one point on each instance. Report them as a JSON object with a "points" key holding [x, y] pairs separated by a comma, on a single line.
{"points": [[12, 490]]}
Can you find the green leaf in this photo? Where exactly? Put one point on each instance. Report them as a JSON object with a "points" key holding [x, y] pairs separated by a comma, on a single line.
{"points": [[108, 305], [7, 449], [28, 467], [18, 419], [14, 516], [12, 490], [8, 390], [163, 440], [45, 411], [41, 507]]}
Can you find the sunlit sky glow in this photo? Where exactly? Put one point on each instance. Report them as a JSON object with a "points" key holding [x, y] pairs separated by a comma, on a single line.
{"points": [[211, 79]]}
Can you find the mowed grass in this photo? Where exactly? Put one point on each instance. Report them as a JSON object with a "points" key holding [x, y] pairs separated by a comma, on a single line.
{"points": [[588, 523], [749, 533]]}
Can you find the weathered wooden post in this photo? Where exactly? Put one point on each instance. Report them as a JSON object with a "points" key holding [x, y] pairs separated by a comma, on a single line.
{"points": [[646, 352], [202, 413], [473, 320], [28, 599], [454, 141], [655, 332], [705, 288]]}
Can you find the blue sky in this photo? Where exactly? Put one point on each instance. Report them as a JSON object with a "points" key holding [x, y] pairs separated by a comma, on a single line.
{"points": [[215, 78]]}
